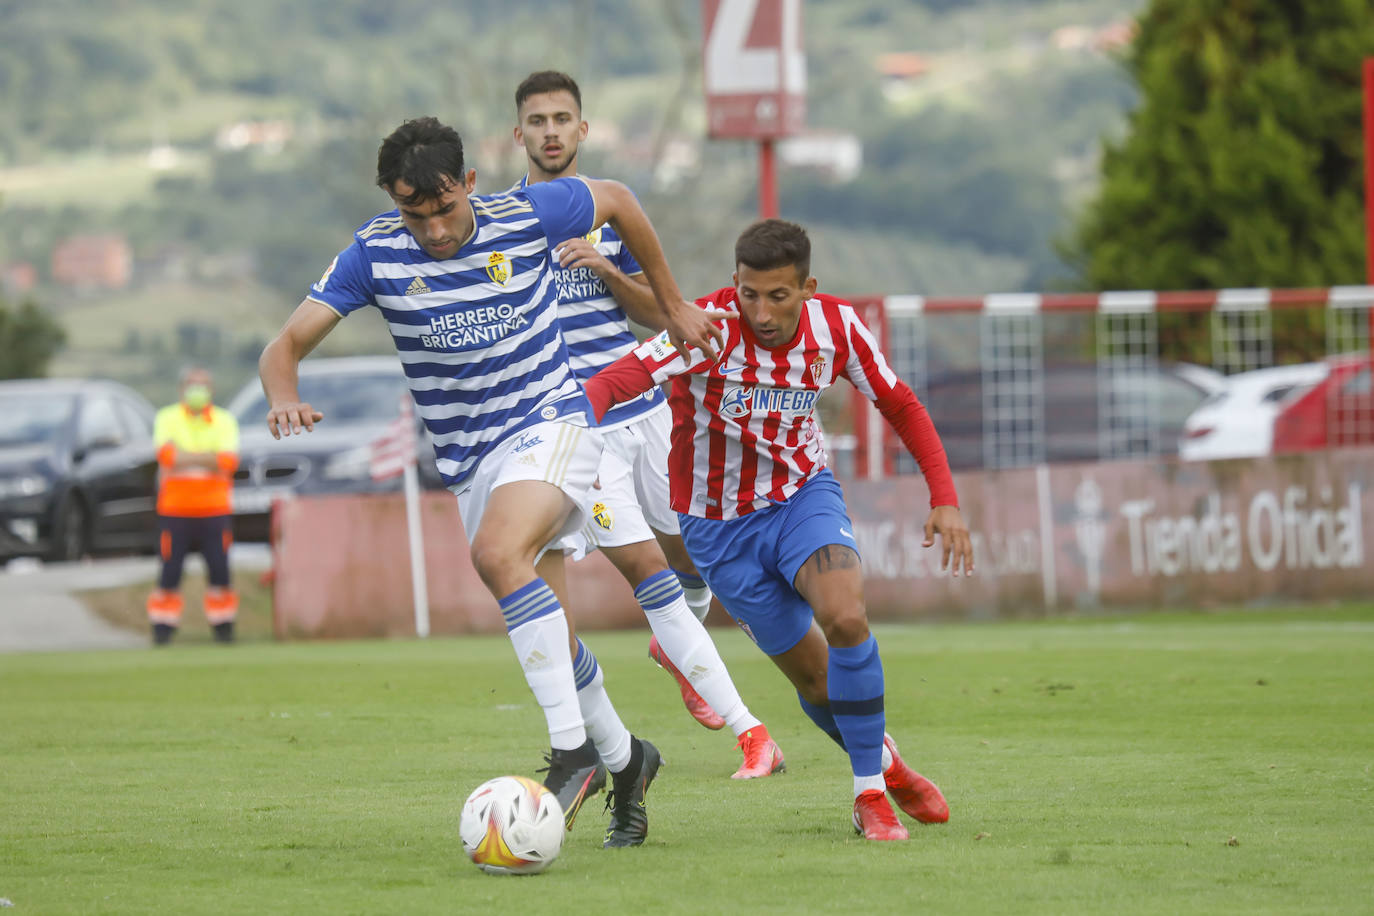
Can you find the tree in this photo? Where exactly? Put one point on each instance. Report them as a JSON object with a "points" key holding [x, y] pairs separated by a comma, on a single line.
{"points": [[29, 338], [1242, 165]]}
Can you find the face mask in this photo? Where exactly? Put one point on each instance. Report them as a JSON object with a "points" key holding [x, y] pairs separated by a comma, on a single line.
{"points": [[196, 397]]}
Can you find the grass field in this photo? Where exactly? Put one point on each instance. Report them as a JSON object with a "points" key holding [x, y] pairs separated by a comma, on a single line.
{"points": [[1162, 764]]}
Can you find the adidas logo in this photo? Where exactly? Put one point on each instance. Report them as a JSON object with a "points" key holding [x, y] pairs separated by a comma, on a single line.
{"points": [[536, 660], [527, 459], [417, 287], [697, 672]]}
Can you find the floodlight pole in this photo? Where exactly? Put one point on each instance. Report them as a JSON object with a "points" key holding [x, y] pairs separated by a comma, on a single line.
{"points": [[768, 180], [1369, 185], [1369, 170]]}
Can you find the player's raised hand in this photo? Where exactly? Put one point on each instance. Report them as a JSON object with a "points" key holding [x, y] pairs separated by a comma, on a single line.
{"points": [[291, 418], [690, 326], [956, 547]]}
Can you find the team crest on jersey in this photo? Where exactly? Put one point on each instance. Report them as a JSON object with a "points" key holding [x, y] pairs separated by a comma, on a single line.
{"points": [[498, 268], [594, 236], [602, 516], [817, 369]]}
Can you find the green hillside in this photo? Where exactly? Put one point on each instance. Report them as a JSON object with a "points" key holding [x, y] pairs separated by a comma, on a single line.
{"points": [[119, 117]]}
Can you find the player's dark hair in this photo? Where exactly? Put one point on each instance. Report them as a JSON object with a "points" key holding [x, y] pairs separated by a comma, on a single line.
{"points": [[425, 154], [545, 81], [773, 243]]}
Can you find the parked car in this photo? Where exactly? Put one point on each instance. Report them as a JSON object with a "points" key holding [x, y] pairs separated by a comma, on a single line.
{"points": [[78, 472], [1336, 411], [359, 397], [1072, 398], [1237, 421]]}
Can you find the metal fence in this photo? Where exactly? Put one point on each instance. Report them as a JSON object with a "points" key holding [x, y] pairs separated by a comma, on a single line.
{"points": [[1017, 380]]}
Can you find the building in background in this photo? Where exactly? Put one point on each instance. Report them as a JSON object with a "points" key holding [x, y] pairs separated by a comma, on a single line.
{"points": [[17, 278], [93, 262]]}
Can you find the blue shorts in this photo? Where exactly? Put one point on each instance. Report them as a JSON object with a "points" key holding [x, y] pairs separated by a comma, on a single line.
{"points": [[750, 562]]}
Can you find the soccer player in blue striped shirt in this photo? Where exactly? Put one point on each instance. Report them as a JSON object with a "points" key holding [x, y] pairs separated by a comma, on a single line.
{"points": [[600, 287], [465, 285]]}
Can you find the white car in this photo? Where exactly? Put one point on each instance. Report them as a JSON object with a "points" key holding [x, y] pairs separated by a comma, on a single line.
{"points": [[1237, 421]]}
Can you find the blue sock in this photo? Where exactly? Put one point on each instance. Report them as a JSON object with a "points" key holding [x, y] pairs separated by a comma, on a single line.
{"points": [[822, 717], [855, 680]]}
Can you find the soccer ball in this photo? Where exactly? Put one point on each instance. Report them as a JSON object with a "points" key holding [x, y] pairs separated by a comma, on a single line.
{"points": [[512, 825]]}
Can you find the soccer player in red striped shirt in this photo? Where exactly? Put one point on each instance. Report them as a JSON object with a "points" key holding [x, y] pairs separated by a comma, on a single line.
{"points": [[765, 520]]}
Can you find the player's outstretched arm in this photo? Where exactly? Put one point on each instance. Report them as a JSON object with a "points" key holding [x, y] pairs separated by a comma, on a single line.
{"points": [[307, 326], [622, 380], [686, 324], [956, 547]]}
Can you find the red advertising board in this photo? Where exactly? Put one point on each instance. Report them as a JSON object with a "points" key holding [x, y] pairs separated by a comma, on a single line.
{"points": [[754, 68], [1058, 539]]}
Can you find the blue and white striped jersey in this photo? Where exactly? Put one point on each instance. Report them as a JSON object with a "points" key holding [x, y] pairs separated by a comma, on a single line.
{"points": [[477, 333], [594, 326]]}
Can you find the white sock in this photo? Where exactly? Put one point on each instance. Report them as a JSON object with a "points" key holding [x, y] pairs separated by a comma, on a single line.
{"points": [[603, 723], [541, 645], [887, 755], [687, 644], [698, 596], [864, 784]]}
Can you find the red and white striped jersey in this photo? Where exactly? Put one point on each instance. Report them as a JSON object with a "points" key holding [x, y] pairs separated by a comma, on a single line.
{"points": [[744, 428]]}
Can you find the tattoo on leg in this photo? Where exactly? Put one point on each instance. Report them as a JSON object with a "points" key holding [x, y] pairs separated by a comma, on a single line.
{"points": [[835, 556]]}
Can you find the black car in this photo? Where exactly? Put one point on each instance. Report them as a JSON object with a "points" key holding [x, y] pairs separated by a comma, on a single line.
{"points": [[78, 472], [359, 397]]}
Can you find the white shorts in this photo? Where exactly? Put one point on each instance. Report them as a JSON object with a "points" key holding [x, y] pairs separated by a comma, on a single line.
{"points": [[559, 453], [632, 502]]}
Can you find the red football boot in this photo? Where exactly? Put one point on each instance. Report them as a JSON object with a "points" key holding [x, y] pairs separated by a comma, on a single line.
{"points": [[916, 795], [875, 819], [699, 708], [762, 756]]}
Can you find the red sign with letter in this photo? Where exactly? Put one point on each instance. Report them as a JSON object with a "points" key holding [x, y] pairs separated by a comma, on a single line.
{"points": [[754, 67]]}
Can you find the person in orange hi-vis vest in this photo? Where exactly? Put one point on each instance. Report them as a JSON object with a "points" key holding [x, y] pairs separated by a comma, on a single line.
{"points": [[198, 446]]}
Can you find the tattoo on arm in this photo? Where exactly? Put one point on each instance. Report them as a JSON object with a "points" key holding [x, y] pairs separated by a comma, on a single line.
{"points": [[834, 556]]}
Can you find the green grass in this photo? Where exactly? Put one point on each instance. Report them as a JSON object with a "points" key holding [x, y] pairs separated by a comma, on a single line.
{"points": [[123, 606], [92, 181], [1162, 764]]}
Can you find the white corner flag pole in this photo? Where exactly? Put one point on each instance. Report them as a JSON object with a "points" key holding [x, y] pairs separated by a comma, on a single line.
{"points": [[418, 584], [395, 452]]}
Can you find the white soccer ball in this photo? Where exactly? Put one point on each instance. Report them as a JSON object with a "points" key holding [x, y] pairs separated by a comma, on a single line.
{"points": [[512, 825]]}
